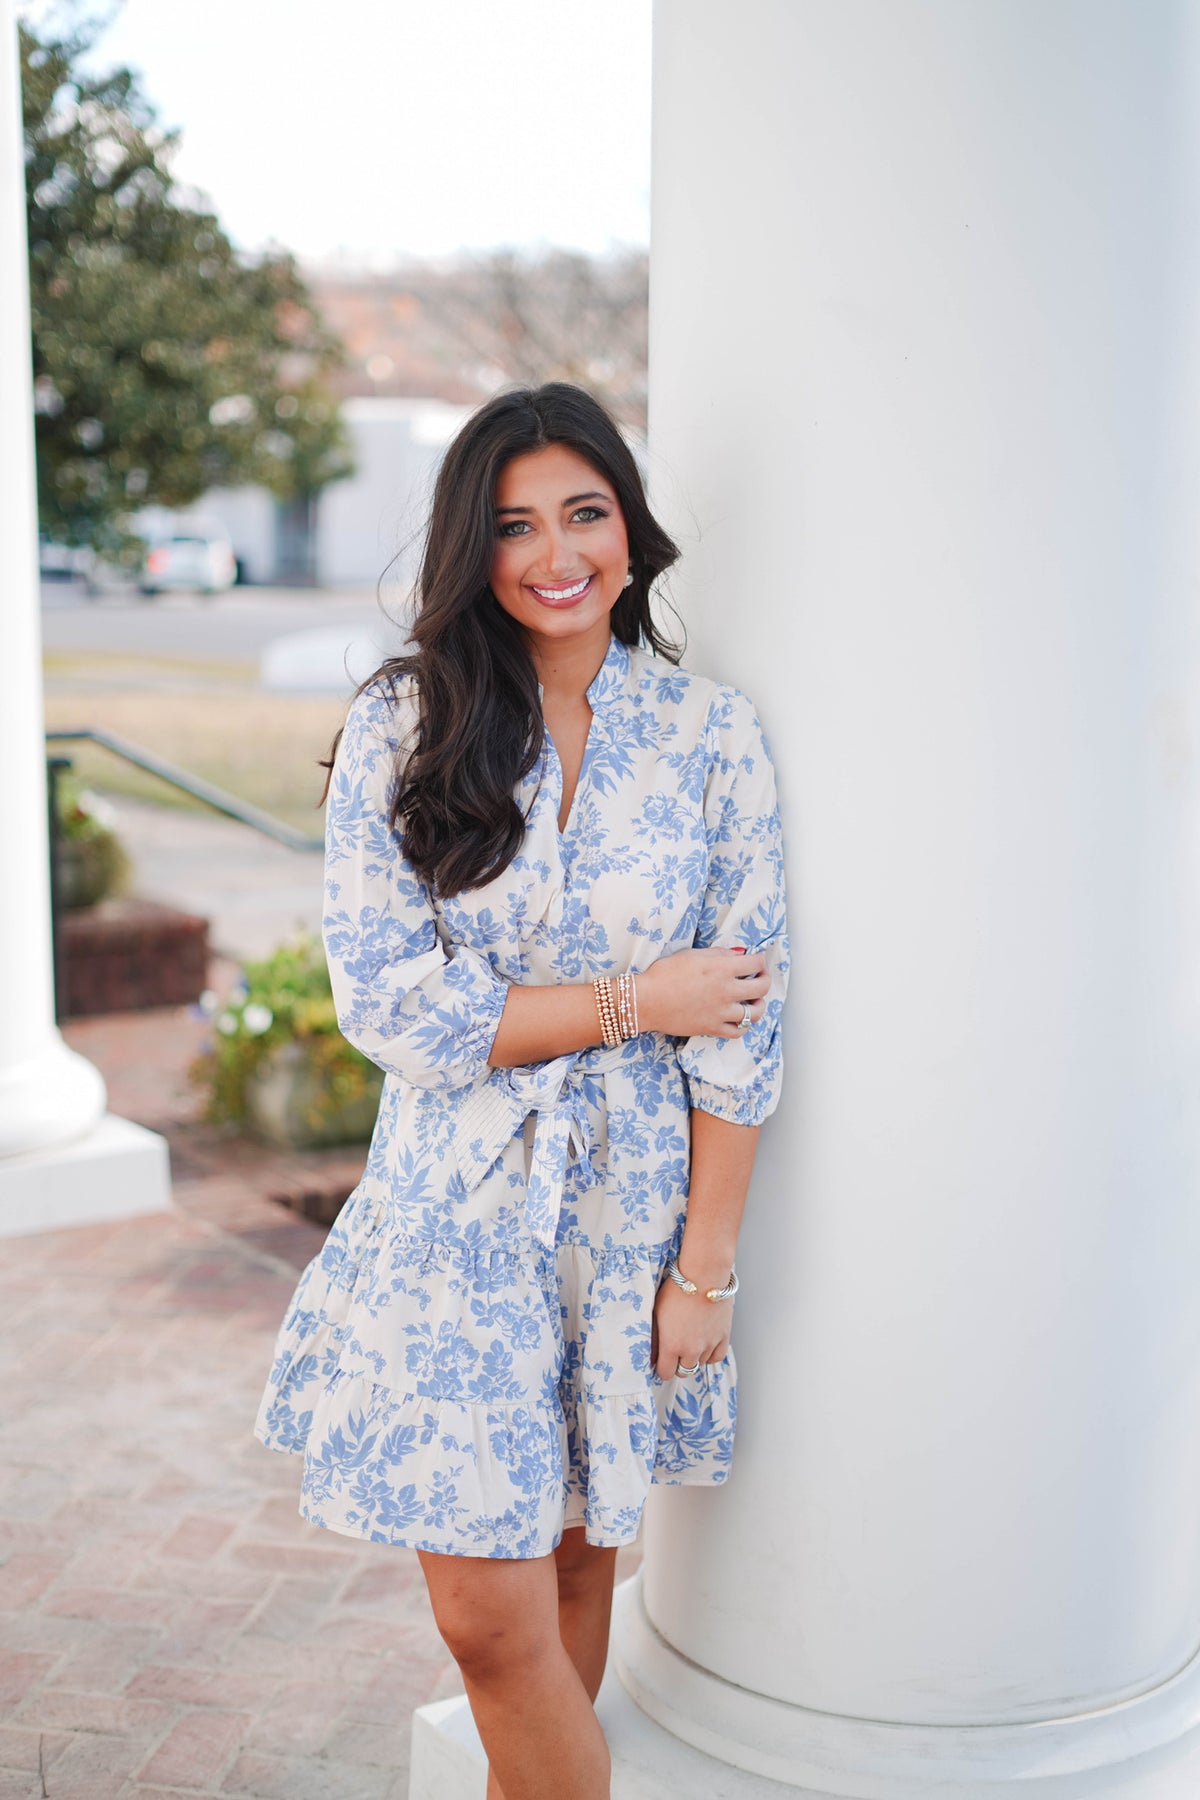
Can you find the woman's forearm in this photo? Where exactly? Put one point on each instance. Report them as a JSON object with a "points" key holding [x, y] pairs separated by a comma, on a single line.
{"points": [[543, 1022], [722, 1160], [691, 993]]}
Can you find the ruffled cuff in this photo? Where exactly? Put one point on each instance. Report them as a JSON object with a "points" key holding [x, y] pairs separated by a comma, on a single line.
{"points": [[748, 1105]]}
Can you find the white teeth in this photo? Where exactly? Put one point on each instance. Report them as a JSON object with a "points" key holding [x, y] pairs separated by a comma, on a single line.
{"points": [[562, 593]]}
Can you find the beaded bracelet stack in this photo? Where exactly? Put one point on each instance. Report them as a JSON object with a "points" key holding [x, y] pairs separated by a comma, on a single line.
{"points": [[616, 1003]]}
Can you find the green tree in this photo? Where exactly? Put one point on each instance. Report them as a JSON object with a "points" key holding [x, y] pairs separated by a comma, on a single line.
{"points": [[164, 362]]}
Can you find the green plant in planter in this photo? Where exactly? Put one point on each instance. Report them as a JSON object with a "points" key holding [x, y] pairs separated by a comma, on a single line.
{"points": [[277, 1064], [92, 863]]}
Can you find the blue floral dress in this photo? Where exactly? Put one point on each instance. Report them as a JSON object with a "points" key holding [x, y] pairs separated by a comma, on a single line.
{"points": [[465, 1367]]}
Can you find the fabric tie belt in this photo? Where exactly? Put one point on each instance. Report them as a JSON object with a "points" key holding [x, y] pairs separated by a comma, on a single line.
{"points": [[557, 1094]]}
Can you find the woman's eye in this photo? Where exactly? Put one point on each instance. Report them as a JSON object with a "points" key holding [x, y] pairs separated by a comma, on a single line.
{"points": [[592, 512], [513, 528]]}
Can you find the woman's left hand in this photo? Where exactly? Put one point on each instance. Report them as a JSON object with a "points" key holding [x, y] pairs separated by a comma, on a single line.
{"points": [[687, 1329]]}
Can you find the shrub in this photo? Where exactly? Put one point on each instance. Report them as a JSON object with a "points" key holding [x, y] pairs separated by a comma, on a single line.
{"points": [[284, 998]]}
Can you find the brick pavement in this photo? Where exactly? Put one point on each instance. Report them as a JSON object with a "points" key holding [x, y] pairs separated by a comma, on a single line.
{"points": [[168, 1622]]}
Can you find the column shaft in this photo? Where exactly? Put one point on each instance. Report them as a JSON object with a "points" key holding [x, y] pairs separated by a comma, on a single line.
{"points": [[62, 1160], [34, 1108]]}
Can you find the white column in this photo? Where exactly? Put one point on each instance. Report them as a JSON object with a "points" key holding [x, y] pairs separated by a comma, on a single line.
{"points": [[925, 302], [62, 1160]]}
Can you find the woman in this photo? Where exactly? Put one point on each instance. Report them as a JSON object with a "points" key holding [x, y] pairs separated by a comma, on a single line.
{"points": [[522, 1315]]}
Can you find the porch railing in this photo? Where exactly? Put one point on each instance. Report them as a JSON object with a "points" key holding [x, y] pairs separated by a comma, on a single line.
{"points": [[205, 791]]}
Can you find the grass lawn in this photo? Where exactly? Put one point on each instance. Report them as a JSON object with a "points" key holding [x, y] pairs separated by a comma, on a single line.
{"points": [[207, 716]]}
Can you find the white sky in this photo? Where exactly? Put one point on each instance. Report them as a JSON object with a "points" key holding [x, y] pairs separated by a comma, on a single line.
{"points": [[385, 128]]}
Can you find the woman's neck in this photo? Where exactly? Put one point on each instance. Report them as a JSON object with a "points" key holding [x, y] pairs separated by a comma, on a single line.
{"points": [[567, 668]]}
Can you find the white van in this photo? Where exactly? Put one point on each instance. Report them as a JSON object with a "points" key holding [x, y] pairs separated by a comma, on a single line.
{"points": [[197, 555]]}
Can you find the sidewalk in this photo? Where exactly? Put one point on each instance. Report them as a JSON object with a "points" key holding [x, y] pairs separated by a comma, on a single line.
{"points": [[168, 1622]]}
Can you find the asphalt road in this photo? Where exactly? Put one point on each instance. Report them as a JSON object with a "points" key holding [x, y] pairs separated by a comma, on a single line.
{"points": [[236, 625]]}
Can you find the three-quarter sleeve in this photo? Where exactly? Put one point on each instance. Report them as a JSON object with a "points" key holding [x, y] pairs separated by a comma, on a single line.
{"points": [[739, 1078], [416, 1008]]}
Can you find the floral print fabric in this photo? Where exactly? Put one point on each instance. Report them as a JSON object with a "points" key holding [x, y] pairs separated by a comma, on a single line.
{"points": [[465, 1367]]}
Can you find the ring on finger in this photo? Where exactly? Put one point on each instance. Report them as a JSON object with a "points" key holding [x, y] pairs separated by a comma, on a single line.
{"points": [[747, 1017], [682, 1369]]}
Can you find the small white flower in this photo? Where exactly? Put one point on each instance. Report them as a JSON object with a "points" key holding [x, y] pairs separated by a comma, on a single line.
{"points": [[208, 1002], [227, 1023], [257, 1018], [234, 409], [100, 809]]}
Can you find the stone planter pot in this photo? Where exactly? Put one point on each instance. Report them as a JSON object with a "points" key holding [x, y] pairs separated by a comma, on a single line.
{"points": [[86, 870], [288, 1105]]}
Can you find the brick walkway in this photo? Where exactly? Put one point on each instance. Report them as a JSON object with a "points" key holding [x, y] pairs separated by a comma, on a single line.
{"points": [[168, 1622]]}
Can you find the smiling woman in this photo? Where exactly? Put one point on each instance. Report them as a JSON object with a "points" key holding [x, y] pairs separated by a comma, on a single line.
{"points": [[554, 916], [560, 565]]}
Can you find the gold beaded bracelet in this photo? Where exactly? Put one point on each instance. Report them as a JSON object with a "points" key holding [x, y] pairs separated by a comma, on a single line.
{"points": [[602, 987], [616, 1003]]}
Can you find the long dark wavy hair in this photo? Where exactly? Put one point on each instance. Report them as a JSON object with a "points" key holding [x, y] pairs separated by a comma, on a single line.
{"points": [[480, 729]]}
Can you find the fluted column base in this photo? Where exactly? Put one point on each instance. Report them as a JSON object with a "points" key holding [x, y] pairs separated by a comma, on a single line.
{"points": [[1146, 1748]]}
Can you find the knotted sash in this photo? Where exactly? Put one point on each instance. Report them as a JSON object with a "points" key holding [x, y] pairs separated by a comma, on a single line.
{"points": [[556, 1093]]}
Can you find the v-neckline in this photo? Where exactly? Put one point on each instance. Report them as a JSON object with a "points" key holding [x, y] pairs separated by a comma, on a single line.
{"points": [[565, 827], [604, 685]]}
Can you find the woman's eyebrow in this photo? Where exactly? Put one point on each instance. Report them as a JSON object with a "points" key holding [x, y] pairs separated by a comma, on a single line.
{"points": [[571, 500]]}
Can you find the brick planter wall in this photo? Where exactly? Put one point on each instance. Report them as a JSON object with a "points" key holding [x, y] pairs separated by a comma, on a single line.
{"points": [[124, 955]]}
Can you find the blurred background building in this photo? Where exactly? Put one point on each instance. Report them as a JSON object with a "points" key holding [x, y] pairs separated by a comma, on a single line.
{"points": [[421, 347]]}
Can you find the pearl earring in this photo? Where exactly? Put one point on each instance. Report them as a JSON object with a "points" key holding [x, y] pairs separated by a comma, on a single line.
{"points": [[628, 582]]}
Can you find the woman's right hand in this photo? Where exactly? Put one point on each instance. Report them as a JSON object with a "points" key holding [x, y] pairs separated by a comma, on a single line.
{"points": [[699, 993]]}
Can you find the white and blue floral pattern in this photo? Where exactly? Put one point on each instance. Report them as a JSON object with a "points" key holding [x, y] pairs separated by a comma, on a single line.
{"points": [[465, 1366]]}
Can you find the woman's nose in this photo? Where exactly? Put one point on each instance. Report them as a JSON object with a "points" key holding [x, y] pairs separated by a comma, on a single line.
{"points": [[558, 556]]}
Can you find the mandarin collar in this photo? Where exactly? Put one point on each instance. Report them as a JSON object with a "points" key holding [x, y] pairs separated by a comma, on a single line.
{"points": [[609, 679]]}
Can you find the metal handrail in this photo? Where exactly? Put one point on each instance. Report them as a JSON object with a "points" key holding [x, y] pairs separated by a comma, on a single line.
{"points": [[195, 785]]}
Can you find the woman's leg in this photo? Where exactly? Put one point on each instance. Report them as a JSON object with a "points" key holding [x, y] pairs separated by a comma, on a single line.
{"points": [[585, 1594], [585, 1589], [500, 1622]]}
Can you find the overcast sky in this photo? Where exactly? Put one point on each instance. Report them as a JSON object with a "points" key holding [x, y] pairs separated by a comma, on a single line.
{"points": [[381, 128]]}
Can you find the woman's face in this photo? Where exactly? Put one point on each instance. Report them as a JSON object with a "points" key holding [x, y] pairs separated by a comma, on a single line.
{"points": [[562, 553]]}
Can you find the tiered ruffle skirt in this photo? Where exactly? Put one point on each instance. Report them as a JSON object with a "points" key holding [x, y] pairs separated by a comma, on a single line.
{"points": [[450, 1397]]}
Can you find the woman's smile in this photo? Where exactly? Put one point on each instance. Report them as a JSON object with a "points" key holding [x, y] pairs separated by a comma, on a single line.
{"points": [[563, 595]]}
